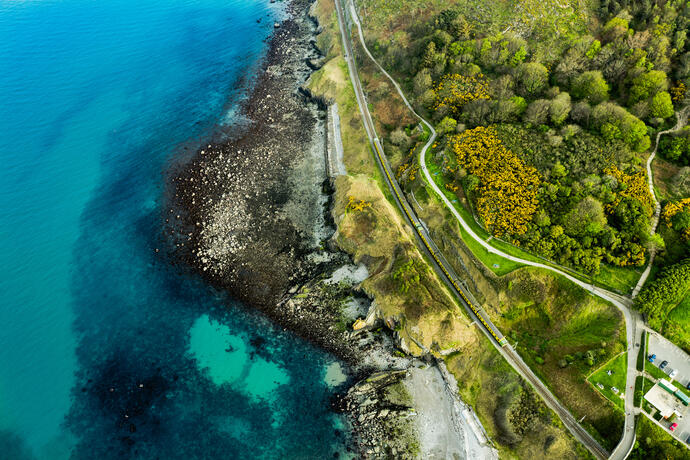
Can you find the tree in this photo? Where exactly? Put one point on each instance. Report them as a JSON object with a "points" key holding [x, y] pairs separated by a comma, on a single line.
{"points": [[470, 182], [633, 131], [531, 77], [591, 86], [560, 108], [581, 113], [445, 126], [399, 138], [661, 106], [538, 112], [647, 84], [681, 221], [587, 217], [558, 170], [422, 82]]}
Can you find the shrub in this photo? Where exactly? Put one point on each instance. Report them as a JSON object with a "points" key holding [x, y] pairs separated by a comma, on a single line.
{"points": [[507, 190], [454, 91]]}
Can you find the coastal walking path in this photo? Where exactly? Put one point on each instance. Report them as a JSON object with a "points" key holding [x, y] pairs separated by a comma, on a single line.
{"points": [[681, 120], [632, 335], [508, 353]]}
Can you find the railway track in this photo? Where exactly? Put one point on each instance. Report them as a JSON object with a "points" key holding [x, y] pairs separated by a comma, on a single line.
{"points": [[439, 262]]}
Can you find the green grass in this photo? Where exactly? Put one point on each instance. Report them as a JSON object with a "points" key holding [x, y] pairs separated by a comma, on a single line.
{"points": [[652, 370], [677, 326], [655, 442], [618, 365], [642, 386], [618, 278], [497, 264], [639, 393]]}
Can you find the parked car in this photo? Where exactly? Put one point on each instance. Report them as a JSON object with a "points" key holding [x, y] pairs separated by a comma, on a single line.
{"points": [[651, 358], [673, 426], [663, 364], [687, 440], [673, 373], [688, 386]]}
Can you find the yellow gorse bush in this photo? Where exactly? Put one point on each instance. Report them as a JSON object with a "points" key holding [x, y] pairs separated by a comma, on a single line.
{"points": [[454, 91], [673, 208], [507, 190], [357, 205], [636, 187]]}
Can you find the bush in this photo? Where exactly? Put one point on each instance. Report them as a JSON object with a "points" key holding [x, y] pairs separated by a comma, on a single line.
{"points": [[661, 295]]}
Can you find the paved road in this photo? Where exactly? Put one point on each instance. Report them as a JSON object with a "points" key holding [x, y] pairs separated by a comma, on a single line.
{"points": [[667, 351], [445, 270], [633, 332], [679, 360]]}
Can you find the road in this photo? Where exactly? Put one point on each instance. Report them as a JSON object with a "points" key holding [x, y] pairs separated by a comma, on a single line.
{"points": [[680, 361], [439, 263], [682, 118], [632, 319], [667, 351]]}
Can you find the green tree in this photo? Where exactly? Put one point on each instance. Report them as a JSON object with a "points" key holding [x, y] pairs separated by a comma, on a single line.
{"points": [[445, 126], [531, 78], [422, 82], [661, 106], [560, 108], [647, 85], [681, 221], [470, 182], [591, 86], [537, 112], [518, 57], [586, 217]]}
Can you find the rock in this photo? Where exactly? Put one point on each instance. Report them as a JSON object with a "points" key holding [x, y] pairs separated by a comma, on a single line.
{"points": [[359, 324]]}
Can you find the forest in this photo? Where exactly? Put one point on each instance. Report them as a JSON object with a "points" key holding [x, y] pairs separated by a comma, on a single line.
{"points": [[548, 139]]}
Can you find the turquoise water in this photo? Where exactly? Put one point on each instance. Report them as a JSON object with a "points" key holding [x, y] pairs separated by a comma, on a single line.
{"points": [[107, 350]]}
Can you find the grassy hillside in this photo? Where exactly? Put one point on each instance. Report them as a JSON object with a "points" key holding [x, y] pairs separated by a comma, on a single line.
{"points": [[409, 296]]}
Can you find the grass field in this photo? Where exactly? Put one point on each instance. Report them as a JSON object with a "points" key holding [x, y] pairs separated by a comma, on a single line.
{"points": [[677, 326], [556, 324], [653, 370], [655, 443], [617, 367]]}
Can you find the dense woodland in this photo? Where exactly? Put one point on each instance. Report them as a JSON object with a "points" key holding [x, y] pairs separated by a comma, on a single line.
{"points": [[549, 142]]}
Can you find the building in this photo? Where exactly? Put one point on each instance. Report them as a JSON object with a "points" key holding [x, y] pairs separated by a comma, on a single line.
{"points": [[664, 396]]}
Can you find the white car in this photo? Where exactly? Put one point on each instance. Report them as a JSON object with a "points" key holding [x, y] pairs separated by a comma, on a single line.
{"points": [[673, 373]]}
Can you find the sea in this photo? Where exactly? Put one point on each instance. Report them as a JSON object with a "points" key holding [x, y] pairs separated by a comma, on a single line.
{"points": [[107, 349]]}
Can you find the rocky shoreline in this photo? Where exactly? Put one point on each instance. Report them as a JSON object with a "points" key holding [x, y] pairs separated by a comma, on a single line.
{"points": [[251, 214]]}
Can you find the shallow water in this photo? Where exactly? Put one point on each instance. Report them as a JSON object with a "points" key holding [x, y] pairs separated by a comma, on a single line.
{"points": [[106, 349]]}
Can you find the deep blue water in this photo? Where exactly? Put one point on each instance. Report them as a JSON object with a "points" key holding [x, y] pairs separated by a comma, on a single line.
{"points": [[106, 350]]}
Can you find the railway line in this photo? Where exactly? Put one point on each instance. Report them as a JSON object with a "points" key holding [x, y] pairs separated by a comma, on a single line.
{"points": [[439, 262]]}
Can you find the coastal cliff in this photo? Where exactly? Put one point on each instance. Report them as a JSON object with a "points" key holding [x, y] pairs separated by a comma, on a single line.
{"points": [[254, 213]]}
